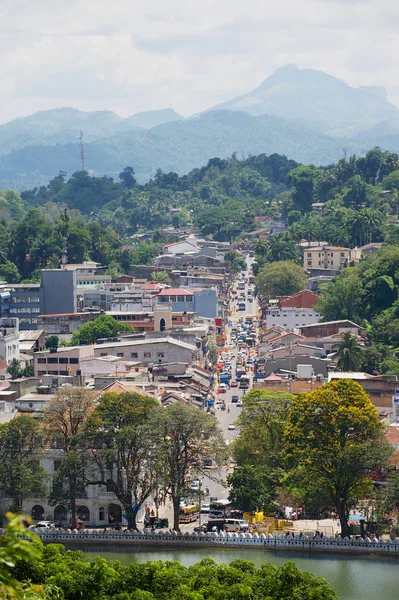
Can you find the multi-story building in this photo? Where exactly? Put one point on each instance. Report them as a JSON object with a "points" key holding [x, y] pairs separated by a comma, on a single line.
{"points": [[201, 301], [153, 351], [65, 361], [57, 291], [88, 274], [9, 339], [293, 311], [65, 324], [25, 304], [326, 257], [5, 300]]}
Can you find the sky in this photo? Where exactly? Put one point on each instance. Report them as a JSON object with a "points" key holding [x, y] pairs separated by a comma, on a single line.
{"points": [[134, 55]]}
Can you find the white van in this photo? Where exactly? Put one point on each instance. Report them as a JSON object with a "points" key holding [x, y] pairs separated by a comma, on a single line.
{"points": [[240, 524]]}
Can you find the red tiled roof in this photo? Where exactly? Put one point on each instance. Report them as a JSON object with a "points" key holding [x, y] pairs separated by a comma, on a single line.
{"points": [[392, 435], [175, 292]]}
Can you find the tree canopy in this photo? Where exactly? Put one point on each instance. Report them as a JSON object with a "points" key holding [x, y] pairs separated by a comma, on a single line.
{"points": [[104, 326], [335, 436], [281, 278]]}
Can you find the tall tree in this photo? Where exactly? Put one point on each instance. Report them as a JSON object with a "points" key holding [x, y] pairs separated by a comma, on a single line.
{"points": [[63, 424], [281, 278], [103, 327], [335, 435], [349, 353], [189, 439], [125, 445], [21, 475]]}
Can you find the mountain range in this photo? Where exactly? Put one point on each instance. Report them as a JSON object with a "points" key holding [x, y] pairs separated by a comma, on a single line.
{"points": [[307, 115]]}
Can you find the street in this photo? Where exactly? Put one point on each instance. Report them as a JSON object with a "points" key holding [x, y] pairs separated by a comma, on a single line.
{"points": [[214, 479]]}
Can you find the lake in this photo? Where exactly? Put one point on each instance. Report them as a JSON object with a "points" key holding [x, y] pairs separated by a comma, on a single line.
{"points": [[352, 578]]}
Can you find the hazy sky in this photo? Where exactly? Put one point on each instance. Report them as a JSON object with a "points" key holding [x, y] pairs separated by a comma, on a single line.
{"points": [[132, 55]]}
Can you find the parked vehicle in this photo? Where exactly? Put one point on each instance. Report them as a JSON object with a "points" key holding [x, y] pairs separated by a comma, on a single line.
{"points": [[235, 398]]}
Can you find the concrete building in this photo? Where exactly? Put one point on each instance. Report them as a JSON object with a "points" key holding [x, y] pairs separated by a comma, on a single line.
{"points": [[88, 274], [66, 361], [326, 257], [108, 365], [65, 324], [32, 341], [149, 352], [201, 301], [293, 311], [5, 300], [9, 339], [329, 328], [25, 304], [57, 292]]}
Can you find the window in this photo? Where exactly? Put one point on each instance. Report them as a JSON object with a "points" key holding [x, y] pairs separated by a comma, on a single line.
{"points": [[41, 361], [57, 464], [120, 354], [310, 255], [147, 354], [343, 254], [73, 361], [103, 354], [310, 263], [52, 361], [134, 355], [63, 361], [160, 355]]}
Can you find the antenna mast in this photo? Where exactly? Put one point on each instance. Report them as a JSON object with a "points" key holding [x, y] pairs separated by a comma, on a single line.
{"points": [[82, 151]]}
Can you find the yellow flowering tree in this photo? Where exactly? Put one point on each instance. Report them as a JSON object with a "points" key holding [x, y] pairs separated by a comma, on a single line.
{"points": [[335, 436]]}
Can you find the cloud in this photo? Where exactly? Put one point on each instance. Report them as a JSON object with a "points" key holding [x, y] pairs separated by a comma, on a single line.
{"points": [[187, 54]]}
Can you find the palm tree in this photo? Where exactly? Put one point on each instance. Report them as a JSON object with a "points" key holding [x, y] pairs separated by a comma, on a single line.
{"points": [[349, 354]]}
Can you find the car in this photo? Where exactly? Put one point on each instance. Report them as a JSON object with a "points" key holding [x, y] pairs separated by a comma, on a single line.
{"points": [[235, 398], [222, 388], [195, 485], [250, 361], [234, 384], [182, 502], [205, 508], [231, 427], [250, 299], [239, 403], [200, 528], [43, 525]]}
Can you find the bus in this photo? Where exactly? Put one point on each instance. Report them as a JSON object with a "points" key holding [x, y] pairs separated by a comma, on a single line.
{"points": [[244, 382], [188, 514], [219, 507]]}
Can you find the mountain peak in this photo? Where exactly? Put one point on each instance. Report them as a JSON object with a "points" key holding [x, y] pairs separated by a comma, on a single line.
{"points": [[318, 99]]}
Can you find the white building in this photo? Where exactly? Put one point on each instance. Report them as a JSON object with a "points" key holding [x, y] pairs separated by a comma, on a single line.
{"points": [[291, 317], [9, 339], [164, 350]]}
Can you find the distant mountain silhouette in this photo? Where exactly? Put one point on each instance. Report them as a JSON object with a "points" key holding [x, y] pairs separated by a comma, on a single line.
{"points": [[318, 99], [177, 146], [307, 115], [152, 118]]}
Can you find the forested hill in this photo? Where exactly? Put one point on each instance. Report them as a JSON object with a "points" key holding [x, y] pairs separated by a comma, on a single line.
{"points": [[179, 146]]}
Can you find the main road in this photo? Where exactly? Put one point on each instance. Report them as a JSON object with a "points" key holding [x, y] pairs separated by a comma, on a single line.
{"points": [[226, 417]]}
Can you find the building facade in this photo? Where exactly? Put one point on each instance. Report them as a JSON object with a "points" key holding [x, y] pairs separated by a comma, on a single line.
{"points": [[57, 291], [9, 339]]}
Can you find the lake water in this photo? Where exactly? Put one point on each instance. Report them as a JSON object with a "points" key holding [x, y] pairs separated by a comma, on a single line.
{"points": [[352, 578]]}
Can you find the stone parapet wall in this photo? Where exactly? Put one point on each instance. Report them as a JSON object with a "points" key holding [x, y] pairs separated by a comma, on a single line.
{"points": [[127, 538]]}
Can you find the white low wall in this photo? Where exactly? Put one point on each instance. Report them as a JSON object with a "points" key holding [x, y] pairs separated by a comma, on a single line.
{"points": [[128, 538]]}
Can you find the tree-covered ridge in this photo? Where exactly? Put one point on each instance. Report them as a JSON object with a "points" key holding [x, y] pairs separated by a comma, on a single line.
{"points": [[358, 198]]}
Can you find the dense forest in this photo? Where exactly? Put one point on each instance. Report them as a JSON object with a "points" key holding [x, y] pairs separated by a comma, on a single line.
{"points": [[102, 218]]}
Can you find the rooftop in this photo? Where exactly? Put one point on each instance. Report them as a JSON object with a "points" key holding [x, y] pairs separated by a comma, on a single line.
{"points": [[31, 335], [175, 292]]}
